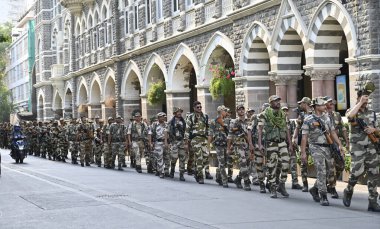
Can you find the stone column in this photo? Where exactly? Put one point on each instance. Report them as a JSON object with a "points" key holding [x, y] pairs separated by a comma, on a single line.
{"points": [[208, 104], [177, 99], [292, 96], [95, 110], [322, 79], [129, 105]]}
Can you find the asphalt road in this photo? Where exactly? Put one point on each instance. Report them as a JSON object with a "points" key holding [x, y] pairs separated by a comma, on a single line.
{"points": [[46, 194]]}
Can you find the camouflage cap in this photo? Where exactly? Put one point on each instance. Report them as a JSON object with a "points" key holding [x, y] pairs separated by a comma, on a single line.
{"points": [[176, 109], [221, 108], [240, 106], [306, 100], [319, 101], [136, 113], [161, 114], [110, 118], [273, 98], [284, 108], [329, 99], [251, 109]]}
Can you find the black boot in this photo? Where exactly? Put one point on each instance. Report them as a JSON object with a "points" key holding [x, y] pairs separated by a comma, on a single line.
{"points": [[230, 180], [208, 176], [305, 187], [324, 201], [347, 195], [150, 168], [171, 173], [273, 192], [262, 187], [237, 181], [138, 168], [88, 164], [296, 186], [247, 187], [281, 189], [133, 162], [120, 168], [314, 193], [181, 177], [373, 206], [334, 194], [81, 164], [124, 165], [63, 160]]}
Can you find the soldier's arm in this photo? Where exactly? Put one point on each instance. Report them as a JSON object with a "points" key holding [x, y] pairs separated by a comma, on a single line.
{"points": [[354, 111], [109, 136]]}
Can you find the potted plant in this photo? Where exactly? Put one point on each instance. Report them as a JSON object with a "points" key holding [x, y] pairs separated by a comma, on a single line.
{"points": [[156, 93], [221, 83]]}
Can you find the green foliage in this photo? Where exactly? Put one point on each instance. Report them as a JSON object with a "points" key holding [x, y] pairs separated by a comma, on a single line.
{"points": [[6, 106], [222, 83], [156, 93], [347, 162]]}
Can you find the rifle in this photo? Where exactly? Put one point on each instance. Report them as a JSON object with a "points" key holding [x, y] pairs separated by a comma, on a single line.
{"points": [[333, 147], [372, 137]]}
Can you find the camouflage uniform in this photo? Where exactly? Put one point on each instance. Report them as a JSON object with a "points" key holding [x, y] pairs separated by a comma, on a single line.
{"points": [[34, 139], [230, 157], [299, 122], [106, 147], [158, 134], [277, 153], [238, 132], [259, 158], [364, 158], [98, 146], [63, 144], [54, 142], [85, 134], [139, 132], [219, 132], [118, 139], [73, 144], [196, 132], [293, 157], [176, 131], [320, 150]]}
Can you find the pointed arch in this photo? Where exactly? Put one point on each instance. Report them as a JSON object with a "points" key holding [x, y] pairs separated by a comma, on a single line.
{"points": [[68, 95], [182, 50], [57, 101], [110, 75], [333, 9], [288, 18], [82, 95], [258, 33], [131, 67], [95, 90], [153, 59], [217, 40]]}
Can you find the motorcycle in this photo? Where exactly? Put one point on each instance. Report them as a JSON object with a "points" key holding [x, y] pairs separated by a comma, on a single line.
{"points": [[18, 152]]}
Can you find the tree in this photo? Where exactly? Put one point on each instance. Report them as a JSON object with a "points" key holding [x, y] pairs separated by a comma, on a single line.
{"points": [[6, 106]]}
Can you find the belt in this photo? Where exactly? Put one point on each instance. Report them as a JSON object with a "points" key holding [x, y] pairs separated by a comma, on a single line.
{"points": [[276, 140], [321, 144], [159, 140]]}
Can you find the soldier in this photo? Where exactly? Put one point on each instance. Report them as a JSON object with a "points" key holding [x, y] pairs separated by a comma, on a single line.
{"points": [[150, 159], [259, 156], [160, 142], [176, 132], [238, 138], [41, 132], [98, 146], [71, 138], [196, 134], [303, 111], [55, 141], [252, 169], [138, 133], [63, 143], [190, 157], [293, 157], [318, 131], [218, 137], [34, 139], [364, 146], [340, 130], [107, 155], [273, 121], [117, 139], [230, 157], [96, 125], [85, 134]]}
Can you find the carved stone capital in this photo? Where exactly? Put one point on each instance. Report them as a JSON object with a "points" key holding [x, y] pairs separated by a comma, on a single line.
{"points": [[280, 79], [322, 72]]}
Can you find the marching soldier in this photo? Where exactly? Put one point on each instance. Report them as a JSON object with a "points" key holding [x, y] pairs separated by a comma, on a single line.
{"points": [[340, 130], [160, 143], [319, 133], [273, 121], [98, 146], [117, 139], [293, 157], [364, 146], [85, 134], [34, 139], [230, 157], [138, 133], [176, 132], [303, 110], [238, 139], [63, 144], [218, 137], [107, 155], [190, 157], [72, 139], [54, 141], [196, 134]]}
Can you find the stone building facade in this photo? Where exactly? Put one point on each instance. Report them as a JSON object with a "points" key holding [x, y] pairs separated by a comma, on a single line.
{"points": [[100, 57]]}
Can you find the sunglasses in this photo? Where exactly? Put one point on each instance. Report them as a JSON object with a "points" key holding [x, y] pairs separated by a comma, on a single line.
{"points": [[198, 107]]}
